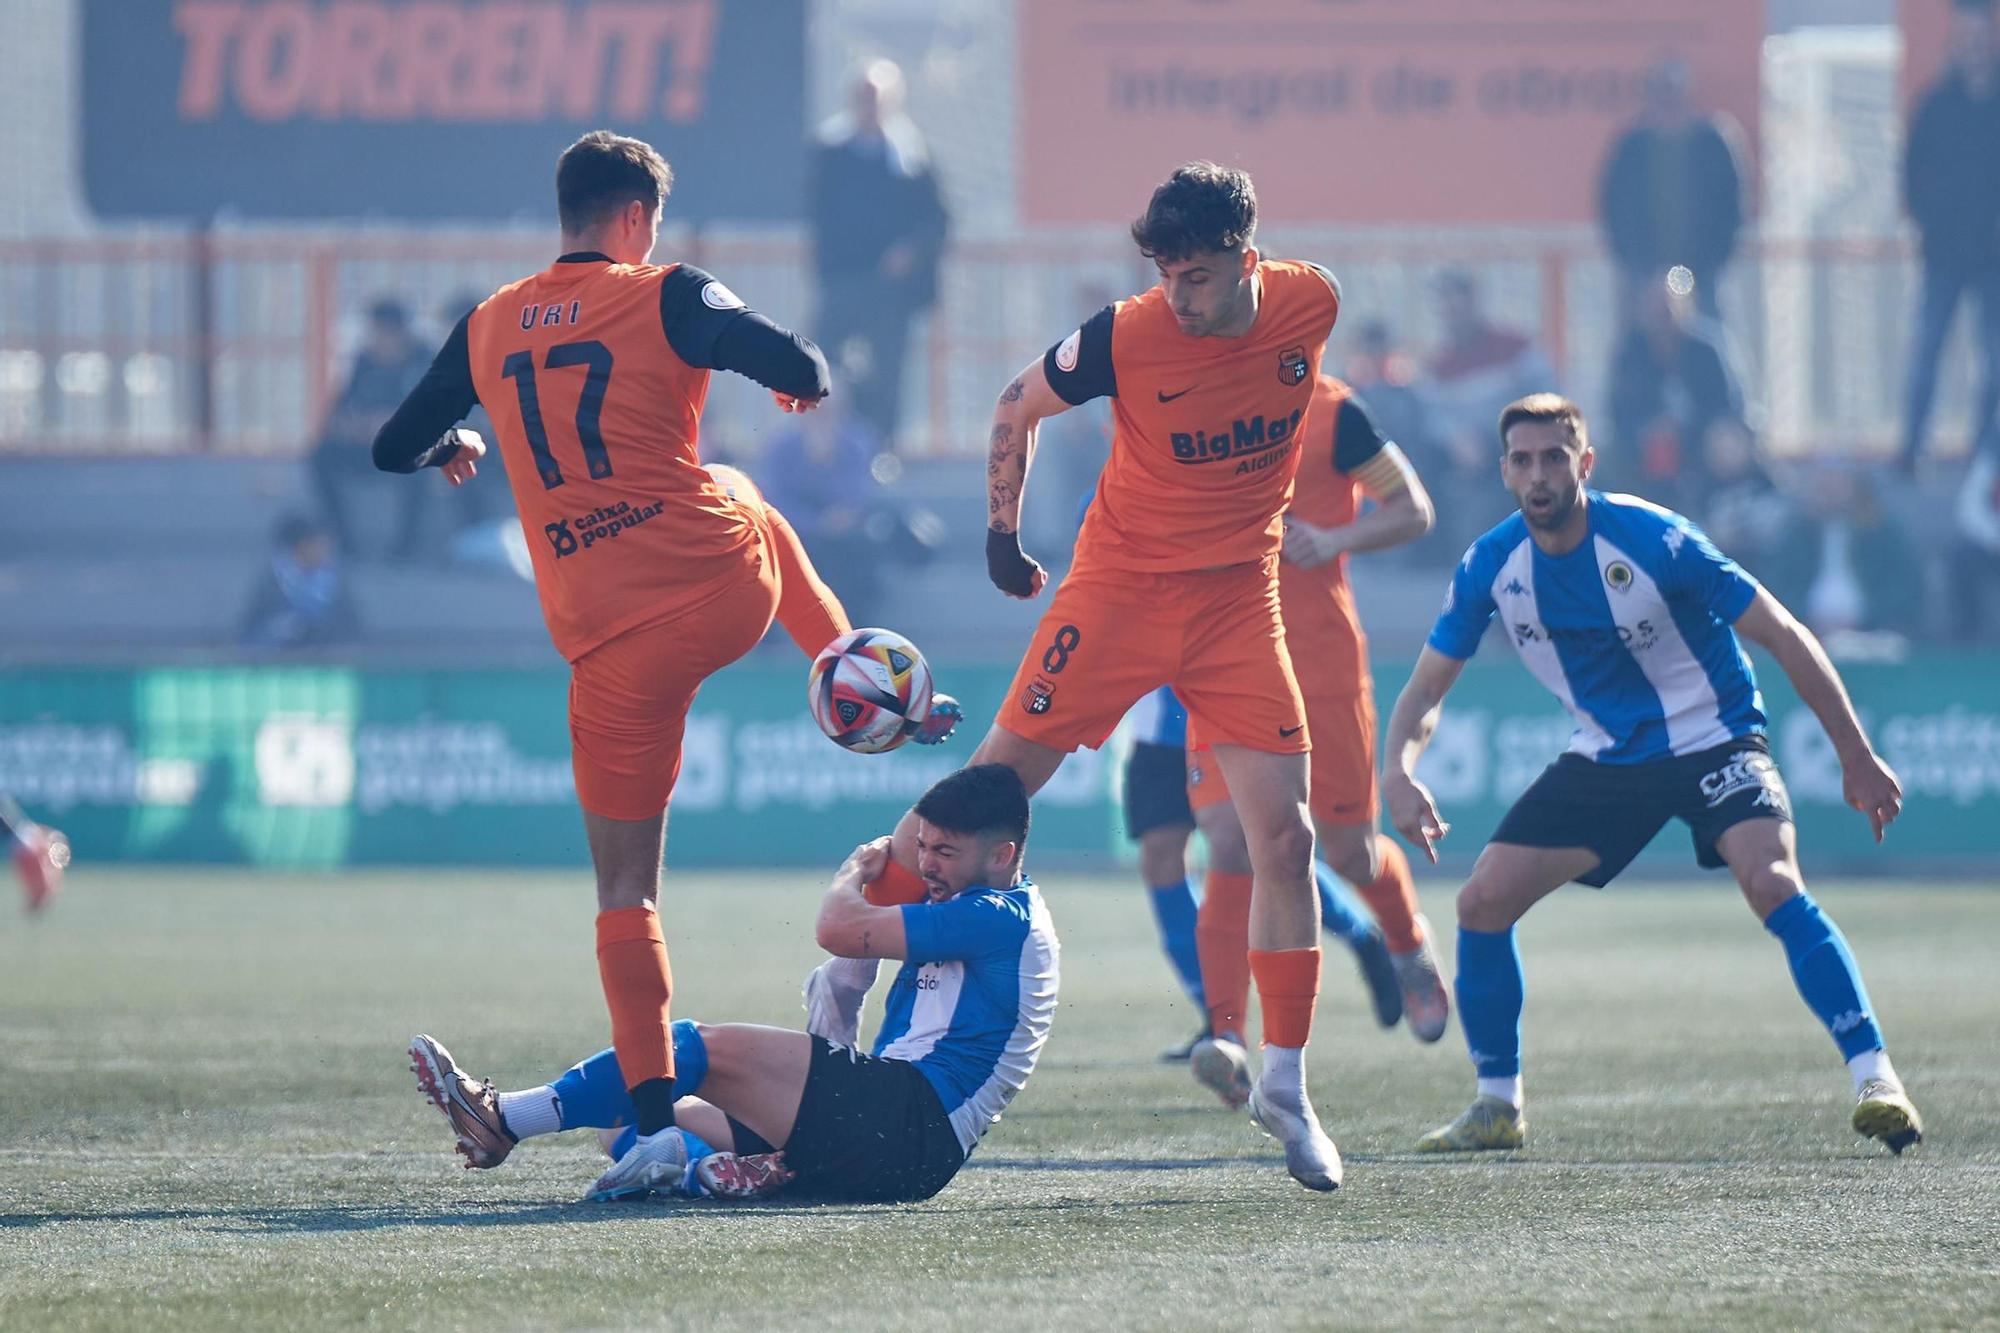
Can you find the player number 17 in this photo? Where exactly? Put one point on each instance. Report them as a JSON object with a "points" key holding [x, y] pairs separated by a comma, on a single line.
{"points": [[520, 368]]}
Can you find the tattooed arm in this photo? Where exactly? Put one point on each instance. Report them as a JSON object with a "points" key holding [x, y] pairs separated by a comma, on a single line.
{"points": [[1009, 450], [850, 926]]}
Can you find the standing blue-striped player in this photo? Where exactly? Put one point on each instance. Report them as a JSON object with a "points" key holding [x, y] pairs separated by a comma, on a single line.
{"points": [[1631, 617]]}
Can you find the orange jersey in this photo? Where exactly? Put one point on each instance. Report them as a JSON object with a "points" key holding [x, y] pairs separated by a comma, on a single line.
{"points": [[1204, 446], [1320, 616], [598, 420]]}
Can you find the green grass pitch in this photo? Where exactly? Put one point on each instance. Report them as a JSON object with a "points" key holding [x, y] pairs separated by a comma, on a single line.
{"points": [[205, 1121]]}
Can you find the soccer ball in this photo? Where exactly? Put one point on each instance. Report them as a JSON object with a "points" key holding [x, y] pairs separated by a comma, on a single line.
{"points": [[869, 690]]}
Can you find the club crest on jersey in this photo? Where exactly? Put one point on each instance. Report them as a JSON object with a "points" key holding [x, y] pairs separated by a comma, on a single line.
{"points": [[1038, 696], [1619, 575], [1292, 366]]}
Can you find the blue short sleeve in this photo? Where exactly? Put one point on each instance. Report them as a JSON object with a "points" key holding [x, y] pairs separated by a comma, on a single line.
{"points": [[1468, 607], [1700, 573], [972, 925]]}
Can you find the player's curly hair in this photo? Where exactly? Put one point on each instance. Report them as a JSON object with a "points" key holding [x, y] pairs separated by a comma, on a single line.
{"points": [[986, 801], [1551, 408], [1202, 209], [602, 172]]}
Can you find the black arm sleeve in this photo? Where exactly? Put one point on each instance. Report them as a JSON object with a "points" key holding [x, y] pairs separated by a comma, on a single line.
{"points": [[710, 328], [1356, 438], [1079, 367], [412, 437]]}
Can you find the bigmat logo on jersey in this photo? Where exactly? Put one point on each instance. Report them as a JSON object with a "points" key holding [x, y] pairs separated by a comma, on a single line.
{"points": [[433, 108], [1359, 111]]}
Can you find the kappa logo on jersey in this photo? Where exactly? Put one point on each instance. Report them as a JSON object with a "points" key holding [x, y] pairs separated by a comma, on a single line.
{"points": [[1750, 770], [1293, 366], [1257, 442], [718, 297], [1673, 537], [598, 525], [1619, 575], [1514, 588], [1066, 353]]}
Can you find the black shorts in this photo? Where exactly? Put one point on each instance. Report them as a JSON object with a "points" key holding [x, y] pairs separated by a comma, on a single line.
{"points": [[1156, 789], [869, 1130], [1615, 809]]}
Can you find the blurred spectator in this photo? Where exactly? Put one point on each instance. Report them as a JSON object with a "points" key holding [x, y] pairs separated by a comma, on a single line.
{"points": [[1385, 377], [1743, 510], [1671, 384], [1672, 189], [1972, 562], [385, 370], [1843, 564], [1951, 186], [301, 600], [1477, 369], [820, 474], [878, 228]]}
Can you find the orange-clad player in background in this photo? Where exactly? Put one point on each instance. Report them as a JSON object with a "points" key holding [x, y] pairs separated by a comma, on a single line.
{"points": [[1175, 580], [1342, 456], [651, 576]]}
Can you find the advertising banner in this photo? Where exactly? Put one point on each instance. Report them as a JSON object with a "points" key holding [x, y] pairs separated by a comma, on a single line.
{"points": [[1359, 111], [421, 109], [330, 767]]}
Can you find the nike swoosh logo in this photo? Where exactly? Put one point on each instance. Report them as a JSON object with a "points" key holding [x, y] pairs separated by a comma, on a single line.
{"points": [[1289, 732], [1169, 397]]}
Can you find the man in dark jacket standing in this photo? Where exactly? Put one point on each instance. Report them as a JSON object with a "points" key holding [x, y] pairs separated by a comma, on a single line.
{"points": [[1951, 186], [878, 228], [1672, 190]]}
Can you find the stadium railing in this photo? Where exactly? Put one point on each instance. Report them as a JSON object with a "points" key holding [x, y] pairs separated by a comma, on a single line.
{"points": [[233, 343]]}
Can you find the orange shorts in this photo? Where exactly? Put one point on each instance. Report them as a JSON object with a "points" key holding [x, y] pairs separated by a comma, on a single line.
{"points": [[1111, 636], [1342, 765], [629, 696]]}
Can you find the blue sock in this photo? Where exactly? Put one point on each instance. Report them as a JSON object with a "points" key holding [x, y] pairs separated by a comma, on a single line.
{"points": [[592, 1094], [1826, 974], [690, 1059], [1490, 991], [1342, 915], [1173, 909]]}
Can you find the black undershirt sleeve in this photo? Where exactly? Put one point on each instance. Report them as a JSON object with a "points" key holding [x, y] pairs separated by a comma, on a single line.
{"points": [[1356, 439], [413, 437], [710, 328], [1079, 367]]}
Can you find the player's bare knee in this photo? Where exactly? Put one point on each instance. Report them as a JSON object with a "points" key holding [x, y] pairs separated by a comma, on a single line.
{"points": [[1285, 851], [1352, 861], [1486, 905], [1769, 886]]}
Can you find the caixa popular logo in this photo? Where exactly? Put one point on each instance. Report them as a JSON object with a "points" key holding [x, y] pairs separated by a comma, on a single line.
{"points": [[596, 526], [1258, 441]]}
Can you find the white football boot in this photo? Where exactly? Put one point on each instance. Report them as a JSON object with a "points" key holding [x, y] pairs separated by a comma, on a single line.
{"points": [[655, 1162], [1287, 1117]]}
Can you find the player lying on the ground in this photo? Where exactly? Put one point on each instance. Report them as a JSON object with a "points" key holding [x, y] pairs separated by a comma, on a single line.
{"points": [[1342, 456], [1175, 579], [1630, 616], [40, 853], [966, 1020]]}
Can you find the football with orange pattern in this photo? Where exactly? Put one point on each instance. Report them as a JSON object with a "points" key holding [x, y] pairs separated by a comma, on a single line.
{"points": [[869, 690]]}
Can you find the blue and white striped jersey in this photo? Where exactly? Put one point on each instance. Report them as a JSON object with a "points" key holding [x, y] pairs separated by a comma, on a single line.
{"points": [[971, 1007], [1631, 630], [1159, 719]]}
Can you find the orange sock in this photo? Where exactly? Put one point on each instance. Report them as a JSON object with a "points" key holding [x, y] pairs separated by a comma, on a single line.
{"points": [[807, 608], [1222, 938], [1392, 898], [1288, 988], [899, 885], [632, 963]]}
